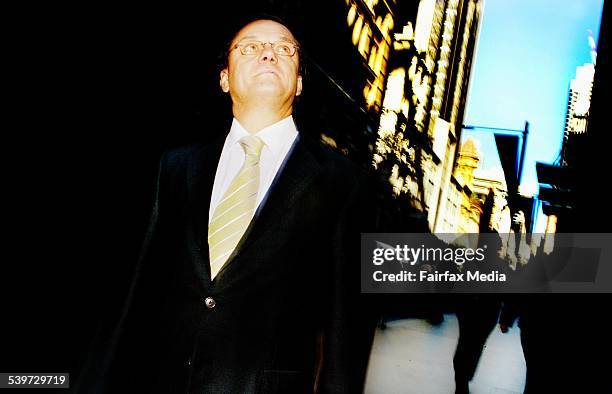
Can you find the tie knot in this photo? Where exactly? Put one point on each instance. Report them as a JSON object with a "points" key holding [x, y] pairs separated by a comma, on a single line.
{"points": [[252, 146]]}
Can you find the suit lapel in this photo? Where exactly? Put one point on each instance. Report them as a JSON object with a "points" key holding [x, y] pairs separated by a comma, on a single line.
{"points": [[291, 182], [200, 180]]}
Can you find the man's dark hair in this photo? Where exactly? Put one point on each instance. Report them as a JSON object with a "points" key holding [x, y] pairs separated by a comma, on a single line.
{"points": [[242, 22]]}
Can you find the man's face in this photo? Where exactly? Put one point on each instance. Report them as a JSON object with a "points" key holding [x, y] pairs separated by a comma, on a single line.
{"points": [[264, 74]]}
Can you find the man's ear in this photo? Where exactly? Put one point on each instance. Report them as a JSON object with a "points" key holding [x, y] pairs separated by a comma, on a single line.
{"points": [[298, 90], [224, 80]]}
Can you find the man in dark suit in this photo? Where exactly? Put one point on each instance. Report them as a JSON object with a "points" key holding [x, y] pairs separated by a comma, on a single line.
{"points": [[248, 281]]}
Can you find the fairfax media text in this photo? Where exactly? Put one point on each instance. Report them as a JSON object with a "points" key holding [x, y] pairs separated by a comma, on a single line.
{"points": [[436, 276]]}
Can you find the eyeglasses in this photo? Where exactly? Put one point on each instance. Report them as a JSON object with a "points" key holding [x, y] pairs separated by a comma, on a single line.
{"points": [[282, 48]]}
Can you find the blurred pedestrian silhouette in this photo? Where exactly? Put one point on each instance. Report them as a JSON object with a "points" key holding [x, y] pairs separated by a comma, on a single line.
{"points": [[477, 316]]}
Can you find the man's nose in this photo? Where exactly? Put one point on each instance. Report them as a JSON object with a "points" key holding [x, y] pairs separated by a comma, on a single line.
{"points": [[267, 54]]}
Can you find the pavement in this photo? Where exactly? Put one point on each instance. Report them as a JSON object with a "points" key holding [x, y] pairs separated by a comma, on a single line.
{"points": [[413, 356]]}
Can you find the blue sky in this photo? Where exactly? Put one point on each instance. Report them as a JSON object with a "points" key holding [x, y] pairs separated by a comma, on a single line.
{"points": [[527, 53]]}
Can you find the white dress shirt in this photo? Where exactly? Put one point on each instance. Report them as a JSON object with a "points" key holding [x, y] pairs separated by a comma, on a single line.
{"points": [[278, 139]]}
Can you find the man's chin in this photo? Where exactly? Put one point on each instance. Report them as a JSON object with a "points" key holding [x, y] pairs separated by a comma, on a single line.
{"points": [[267, 90]]}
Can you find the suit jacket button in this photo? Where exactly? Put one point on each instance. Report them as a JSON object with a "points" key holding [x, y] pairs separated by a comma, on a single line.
{"points": [[210, 302]]}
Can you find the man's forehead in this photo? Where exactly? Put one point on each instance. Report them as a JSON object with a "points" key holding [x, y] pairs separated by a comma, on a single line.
{"points": [[263, 29]]}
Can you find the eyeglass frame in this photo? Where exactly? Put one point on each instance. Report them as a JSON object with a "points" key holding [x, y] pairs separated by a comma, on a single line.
{"points": [[262, 46]]}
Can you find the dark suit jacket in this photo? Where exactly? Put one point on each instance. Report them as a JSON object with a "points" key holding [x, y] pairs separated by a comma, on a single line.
{"points": [[284, 315]]}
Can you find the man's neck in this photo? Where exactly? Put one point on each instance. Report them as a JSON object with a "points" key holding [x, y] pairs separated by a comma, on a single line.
{"points": [[254, 119]]}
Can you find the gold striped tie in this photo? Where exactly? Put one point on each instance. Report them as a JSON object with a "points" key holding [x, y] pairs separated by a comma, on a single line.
{"points": [[235, 210]]}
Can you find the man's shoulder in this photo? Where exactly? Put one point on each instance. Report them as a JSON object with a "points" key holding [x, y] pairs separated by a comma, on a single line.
{"points": [[331, 160], [181, 154], [190, 153]]}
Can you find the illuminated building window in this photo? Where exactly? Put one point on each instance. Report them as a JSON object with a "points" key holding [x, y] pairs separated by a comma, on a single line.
{"points": [[371, 4], [370, 46], [395, 90], [364, 41], [352, 13], [357, 29]]}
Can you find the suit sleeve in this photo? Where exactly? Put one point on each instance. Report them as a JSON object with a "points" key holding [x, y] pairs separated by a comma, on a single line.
{"points": [[116, 354], [348, 338]]}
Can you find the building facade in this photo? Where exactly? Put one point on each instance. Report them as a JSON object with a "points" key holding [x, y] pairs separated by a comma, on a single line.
{"points": [[423, 106], [577, 114], [568, 187]]}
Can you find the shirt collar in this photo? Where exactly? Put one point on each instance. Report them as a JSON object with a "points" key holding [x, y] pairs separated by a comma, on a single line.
{"points": [[274, 136]]}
